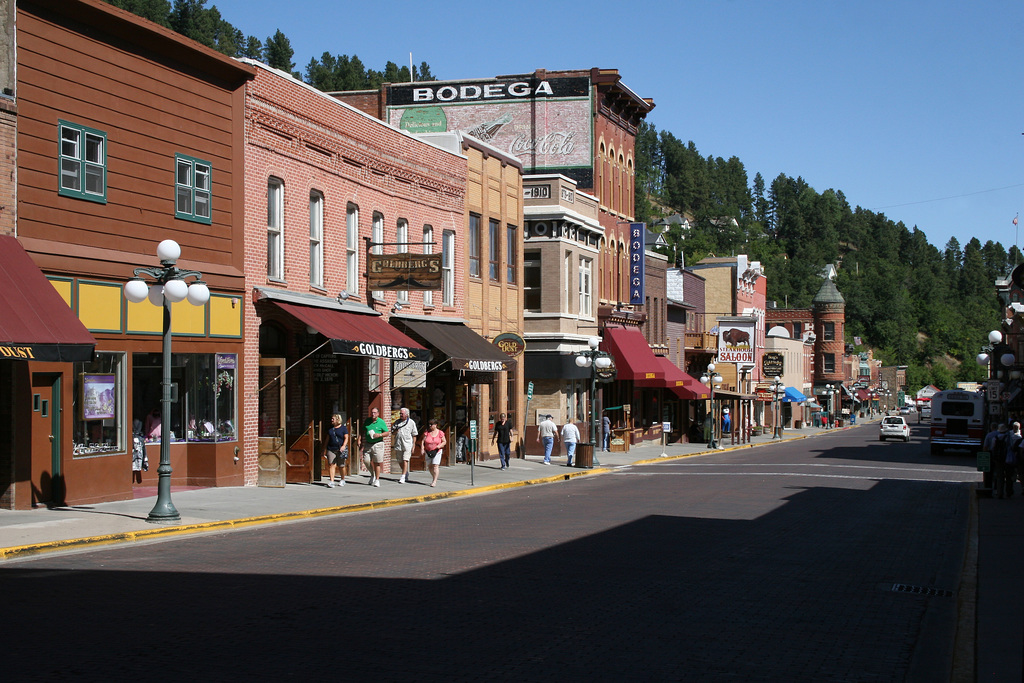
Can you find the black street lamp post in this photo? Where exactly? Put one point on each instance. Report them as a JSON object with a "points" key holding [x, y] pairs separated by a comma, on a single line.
{"points": [[170, 287], [778, 390], [594, 359], [711, 379]]}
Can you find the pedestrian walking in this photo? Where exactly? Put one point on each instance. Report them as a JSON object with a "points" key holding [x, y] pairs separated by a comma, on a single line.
{"points": [[547, 434], [503, 431], [337, 449], [374, 430], [996, 443], [433, 447], [403, 438], [606, 429], [570, 437]]}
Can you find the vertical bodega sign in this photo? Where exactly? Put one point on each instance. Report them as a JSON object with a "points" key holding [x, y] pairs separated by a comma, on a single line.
{"points": [[636, 263]]}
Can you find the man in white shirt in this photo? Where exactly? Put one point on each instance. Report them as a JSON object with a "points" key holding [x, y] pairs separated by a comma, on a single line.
{"points": [[547, 434], [404, 437], [570, 436]]}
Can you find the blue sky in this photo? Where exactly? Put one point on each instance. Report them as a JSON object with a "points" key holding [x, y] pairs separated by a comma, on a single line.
{"points": [[910, 107]]}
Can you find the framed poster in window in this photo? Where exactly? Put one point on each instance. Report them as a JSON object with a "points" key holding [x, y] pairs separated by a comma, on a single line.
{"points": [[99, 396]]}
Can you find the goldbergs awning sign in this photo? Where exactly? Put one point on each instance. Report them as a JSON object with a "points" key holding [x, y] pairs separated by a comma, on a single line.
{"points": [[388, 272], [378, 350]]}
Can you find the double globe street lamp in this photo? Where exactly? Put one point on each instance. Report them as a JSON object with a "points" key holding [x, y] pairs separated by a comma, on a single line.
{"points": [[168, 287], [778, 391], [595, 360], [830, 391], [712, 379]]}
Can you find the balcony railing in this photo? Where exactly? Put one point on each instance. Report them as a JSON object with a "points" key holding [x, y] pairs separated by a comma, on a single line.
{"points": [[700, 341]]}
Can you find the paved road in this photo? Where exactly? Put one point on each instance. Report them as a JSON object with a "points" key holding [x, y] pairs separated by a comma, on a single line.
{"points": [[767, 564]]}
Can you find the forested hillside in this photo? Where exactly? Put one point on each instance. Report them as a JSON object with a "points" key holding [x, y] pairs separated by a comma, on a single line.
{"points": [[915, 304]]}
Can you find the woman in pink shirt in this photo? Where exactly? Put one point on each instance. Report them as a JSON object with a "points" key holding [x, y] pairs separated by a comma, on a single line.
{"points": [[433, 445]]}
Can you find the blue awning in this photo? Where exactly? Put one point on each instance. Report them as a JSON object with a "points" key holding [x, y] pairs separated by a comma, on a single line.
{"points": [[794, 396]]}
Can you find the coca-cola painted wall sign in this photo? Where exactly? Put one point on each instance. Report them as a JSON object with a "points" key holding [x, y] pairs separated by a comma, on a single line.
{"points": [[546, 124]]}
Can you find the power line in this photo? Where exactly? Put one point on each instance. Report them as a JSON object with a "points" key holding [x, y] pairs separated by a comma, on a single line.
{"points": [[942, 199]]}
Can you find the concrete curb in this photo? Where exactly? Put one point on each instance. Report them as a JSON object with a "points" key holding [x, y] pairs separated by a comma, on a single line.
{"points": [[276, 518]]}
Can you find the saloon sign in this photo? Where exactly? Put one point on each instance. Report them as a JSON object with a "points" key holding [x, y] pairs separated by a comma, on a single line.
{"points": [[736, 342]]}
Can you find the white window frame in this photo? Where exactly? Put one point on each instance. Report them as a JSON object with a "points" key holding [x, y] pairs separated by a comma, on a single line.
{"points": [[316, 239], [275, 229], [586, 287], [448, 268], [428, 248], [377, 237], [402, 237], [352, 249]]}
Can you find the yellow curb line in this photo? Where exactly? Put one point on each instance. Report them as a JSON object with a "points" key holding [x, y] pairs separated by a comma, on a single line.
{"points": [[182, 529]]}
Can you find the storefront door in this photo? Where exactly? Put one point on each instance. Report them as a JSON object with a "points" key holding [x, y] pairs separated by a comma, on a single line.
{"points": [[47, 477], [271, 456]]}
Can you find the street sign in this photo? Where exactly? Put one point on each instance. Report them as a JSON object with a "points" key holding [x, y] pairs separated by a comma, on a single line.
{"points": [[529, 391], [472, 429]]}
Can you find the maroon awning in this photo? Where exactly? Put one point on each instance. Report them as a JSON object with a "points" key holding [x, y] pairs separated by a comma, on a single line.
{"points": [[681, 384], [634, 359], [358, 334], [35, 321]]}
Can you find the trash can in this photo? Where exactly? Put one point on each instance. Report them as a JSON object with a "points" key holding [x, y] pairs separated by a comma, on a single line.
{"points": [[584, 456]]}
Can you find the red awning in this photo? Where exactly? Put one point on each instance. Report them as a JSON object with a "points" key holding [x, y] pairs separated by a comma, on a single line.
{"points": [[634, 359], [35, 321], [681, 384], [358, 334], [863, 395]]}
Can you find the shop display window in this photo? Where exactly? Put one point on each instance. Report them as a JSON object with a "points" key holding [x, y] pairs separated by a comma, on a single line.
{"points": [[99, 406], [206, 405]]}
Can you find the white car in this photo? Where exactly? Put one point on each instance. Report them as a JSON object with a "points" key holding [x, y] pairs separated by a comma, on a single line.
{"points": [[894, 428]]}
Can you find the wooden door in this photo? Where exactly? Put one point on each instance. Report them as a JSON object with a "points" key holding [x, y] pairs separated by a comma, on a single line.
{"points": [[47, 475], [271, 456], [300, 457]]}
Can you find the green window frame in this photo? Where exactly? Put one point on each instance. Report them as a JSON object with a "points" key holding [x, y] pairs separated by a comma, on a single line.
{"points": [[83, 162], [193, 196]]}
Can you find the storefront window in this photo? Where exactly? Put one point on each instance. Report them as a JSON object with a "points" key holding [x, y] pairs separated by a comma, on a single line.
{"points": [[206, 405], [99, 406]]}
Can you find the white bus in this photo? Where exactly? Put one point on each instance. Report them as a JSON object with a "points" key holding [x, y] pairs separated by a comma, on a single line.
{"points": [[958, 420]]}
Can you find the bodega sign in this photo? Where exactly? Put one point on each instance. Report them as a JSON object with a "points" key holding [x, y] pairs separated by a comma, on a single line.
{"points": [[488, 90]]}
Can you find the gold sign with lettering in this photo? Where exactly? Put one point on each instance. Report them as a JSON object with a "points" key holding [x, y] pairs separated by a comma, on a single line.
{"points": [[403, 271]]}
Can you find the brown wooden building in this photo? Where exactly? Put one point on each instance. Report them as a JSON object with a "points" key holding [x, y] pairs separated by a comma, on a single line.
{"points": [[128, 134]]}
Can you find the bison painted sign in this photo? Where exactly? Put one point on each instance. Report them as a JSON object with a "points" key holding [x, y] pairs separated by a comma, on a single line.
{"points": [[736, 342]]}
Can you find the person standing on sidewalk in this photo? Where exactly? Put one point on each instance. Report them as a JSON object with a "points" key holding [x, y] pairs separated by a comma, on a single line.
{"points": [[503, 433], [374, 430], [433, 447], [570, 437], [606, 429], [403, 436], [996, 444], [1013, 459], [337, 450], [547, 434]]}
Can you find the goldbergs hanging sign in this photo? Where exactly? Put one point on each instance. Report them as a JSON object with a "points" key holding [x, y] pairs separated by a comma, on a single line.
{"points": [[404, 271]]}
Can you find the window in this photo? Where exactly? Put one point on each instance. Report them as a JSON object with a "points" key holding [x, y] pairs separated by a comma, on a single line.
{"points": [[275, 229], [83, 162], [511, 249], [531, 281], [99, 412], [493, 247], [829, 331], [377, 237], [829, 362], [586, 289], [192, 189], [428, 248], [402, 237], [206, 409], [448, 268], [474, 245], [351, 249], [568, 281], [316, 239], [798, 330]]}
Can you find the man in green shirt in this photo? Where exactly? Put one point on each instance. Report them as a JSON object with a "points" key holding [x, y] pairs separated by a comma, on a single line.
{"points": [[372, 434]]}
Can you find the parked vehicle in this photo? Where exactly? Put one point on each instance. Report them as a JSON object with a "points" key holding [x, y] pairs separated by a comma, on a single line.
{"points": [[925, 415], [957, 420], [894, 428]]}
